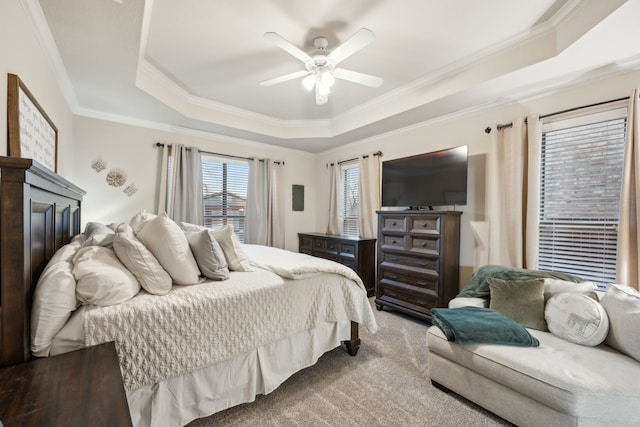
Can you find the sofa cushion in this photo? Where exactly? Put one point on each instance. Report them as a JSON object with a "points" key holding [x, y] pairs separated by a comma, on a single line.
{"points": [[591, 382], [576, 318], [622, 304], [521, 300]]}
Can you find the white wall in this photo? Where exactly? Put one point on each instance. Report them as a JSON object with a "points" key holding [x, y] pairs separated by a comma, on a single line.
{"points": [[469, 130], [132, 149], [21, 54]]}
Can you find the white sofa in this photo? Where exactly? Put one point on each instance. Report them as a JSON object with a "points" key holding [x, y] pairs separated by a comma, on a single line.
{"points": [[558, 383]]}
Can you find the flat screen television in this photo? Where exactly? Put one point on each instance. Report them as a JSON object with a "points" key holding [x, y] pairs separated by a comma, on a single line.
{"points": [[438, 178]]}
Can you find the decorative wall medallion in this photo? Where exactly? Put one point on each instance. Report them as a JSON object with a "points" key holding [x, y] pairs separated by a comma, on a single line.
{"points": [[99, 164], [130, 190], [116, 177]]}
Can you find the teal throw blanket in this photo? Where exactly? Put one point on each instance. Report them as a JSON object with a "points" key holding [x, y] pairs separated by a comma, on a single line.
{"points": [[475, 325], [478, 286]]}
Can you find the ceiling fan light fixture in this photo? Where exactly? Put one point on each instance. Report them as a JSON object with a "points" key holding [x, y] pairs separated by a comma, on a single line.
{"points": [[309, 82], [327, 78]]}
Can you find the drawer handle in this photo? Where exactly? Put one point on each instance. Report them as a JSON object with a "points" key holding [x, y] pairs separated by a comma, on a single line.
{"points": [[393, 223], [424, 245], [392, 277], [392, 258], [422, 283], [423, 264], [424, 225]]}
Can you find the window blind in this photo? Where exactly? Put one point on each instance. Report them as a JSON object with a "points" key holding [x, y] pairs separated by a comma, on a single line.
{"points": [[350, 176], [581, 182], [224, 186]]}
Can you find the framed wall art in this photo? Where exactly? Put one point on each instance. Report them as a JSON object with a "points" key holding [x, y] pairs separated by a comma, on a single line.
{"points": [[31, 133]]}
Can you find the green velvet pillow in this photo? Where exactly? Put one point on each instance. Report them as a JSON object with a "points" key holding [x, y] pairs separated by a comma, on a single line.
{"points": [[521, 300]]}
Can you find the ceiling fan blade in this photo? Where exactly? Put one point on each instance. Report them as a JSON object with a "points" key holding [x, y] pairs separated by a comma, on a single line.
{"points": [[285, 45], [284, 78], [360, 78], [353, 44]]}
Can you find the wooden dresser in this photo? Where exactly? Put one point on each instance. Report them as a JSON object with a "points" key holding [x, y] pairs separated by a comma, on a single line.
{"points": [[354, 252], [81, 388], [418, 260]]}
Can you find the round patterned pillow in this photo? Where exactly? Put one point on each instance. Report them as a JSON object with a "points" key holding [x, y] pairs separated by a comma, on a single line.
{"points": [[576, 318]]}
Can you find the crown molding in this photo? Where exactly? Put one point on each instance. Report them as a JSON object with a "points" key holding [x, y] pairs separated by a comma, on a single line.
{"points": [[34, 14]]}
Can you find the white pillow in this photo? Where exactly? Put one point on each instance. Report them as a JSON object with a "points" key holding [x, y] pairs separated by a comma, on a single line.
{"points": [[208, 255], [101, 277], [140, 219], [556, 286], [623, 307], [141, 262], [54, 300], [169, 245], [576, 318], [236, 257]]}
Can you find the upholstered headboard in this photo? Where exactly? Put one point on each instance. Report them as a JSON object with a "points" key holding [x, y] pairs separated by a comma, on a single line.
{"points": [[39, 213]]}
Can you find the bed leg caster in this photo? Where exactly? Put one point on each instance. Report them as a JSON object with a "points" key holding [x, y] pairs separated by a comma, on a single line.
{"points": [[352, 346]]}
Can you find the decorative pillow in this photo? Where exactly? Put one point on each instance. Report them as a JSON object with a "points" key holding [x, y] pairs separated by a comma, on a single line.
{"points": [[101, 277], [521, 300], [208, 255], [557, 286], [622, 304], [169, 245], [236, 257], [577, 318], [187, 227], [140, 219], [54, 300], [141, 262]]}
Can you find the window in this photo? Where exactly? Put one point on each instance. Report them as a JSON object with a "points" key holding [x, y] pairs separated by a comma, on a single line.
{"points": [[224, 187], [350, 174], [581, 181]]}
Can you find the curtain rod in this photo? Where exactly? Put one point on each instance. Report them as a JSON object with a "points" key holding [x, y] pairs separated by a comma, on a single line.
{"points": [[377, 153], [508, 125], [160, 144]]}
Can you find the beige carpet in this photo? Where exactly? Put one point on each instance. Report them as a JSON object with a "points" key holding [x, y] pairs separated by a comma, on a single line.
{"points": [[386, 384]]}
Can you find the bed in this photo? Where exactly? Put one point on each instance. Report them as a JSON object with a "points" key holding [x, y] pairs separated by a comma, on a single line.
{"points": [[198, 349]]}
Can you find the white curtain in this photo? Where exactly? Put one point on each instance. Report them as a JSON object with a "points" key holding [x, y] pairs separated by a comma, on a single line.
{"points": [[335, 224], [512, 194], [265, 204], [180, 193], [369, 195], [628, 233]]}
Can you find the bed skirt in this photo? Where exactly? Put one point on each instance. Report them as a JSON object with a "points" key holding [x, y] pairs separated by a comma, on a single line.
{"points": [[180, 400]]}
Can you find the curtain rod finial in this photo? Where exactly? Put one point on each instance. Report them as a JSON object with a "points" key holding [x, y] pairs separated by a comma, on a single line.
{"points": [[487, 130]]}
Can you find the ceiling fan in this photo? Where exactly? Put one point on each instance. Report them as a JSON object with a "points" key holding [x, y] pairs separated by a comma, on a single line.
{"points": [[321, 65]]}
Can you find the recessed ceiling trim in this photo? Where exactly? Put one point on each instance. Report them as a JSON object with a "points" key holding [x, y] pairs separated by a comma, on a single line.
{"points": [[546, 40]]}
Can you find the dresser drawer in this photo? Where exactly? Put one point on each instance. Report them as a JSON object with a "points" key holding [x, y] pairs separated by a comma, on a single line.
{"points": [[395, 277], [393, 242], [432, 264], [348, 250], [305, 244], [424, 225], [409, 298], [394, 223], [427, 245]]}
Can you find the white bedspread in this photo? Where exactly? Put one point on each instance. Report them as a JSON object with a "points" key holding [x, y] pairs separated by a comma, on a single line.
{"points": [[159, 337]]}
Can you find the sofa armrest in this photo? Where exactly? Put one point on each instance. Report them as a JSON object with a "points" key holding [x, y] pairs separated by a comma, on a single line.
{"points": [[468, 302]]}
